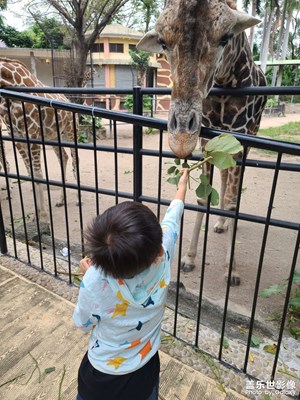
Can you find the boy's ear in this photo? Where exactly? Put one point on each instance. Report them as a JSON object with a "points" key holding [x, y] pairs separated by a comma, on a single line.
{"points": [[161, 252]]}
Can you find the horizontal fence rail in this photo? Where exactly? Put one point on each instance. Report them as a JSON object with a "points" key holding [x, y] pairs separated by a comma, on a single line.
{"points": [[129, 152]]}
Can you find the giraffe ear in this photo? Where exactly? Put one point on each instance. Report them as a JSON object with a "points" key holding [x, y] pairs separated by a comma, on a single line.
{"points": [[243, 21], [150, 43]]}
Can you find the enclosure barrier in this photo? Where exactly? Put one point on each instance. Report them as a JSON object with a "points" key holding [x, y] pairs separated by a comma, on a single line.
{"points": [[138, 153]]}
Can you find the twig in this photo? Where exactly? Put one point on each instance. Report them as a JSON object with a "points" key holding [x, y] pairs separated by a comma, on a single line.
{"points": [[61, 382], [199, 163], [12, 380]]}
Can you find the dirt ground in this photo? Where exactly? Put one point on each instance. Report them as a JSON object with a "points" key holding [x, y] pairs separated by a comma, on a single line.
{"points": [[257, 185]]}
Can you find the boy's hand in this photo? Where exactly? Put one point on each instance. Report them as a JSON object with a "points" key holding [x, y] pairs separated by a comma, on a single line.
{"points": [[85, 264], [184, 177], [182, 184]]}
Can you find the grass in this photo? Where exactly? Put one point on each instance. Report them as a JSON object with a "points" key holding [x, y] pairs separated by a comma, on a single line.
{"points": [[288, 133]]}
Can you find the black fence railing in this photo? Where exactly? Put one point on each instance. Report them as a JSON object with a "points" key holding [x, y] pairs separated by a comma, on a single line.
{"points": [[128, 167]]}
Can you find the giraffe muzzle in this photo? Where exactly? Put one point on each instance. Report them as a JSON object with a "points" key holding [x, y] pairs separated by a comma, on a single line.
{"points": [[183, 132]]}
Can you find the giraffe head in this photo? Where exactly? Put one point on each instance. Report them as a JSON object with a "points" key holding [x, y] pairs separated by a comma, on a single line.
{"points": [[194, 35]]}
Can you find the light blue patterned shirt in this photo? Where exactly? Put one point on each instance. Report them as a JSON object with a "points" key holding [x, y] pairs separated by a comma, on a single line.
{"points": [[124, 316]]}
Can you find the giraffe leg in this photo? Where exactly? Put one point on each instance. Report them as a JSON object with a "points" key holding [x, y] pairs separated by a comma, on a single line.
{"points": [[188, 260], [37, 173], [63, 161], [75, 165], [219, 226], [230, 205]]}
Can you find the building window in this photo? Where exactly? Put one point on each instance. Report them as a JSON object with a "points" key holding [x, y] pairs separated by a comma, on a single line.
{"points": [[97, 48], [132, 47], [116, 47]]}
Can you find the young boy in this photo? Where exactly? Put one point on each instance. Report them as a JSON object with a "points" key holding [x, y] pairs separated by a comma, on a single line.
{"points": [[122, 299]]}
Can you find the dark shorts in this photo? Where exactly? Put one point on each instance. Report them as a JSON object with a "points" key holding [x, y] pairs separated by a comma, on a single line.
{"points": [[153, 395], [141, 384]]}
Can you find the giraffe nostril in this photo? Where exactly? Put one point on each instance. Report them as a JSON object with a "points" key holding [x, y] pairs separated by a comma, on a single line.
{"points": [[193, 122], [173, 123]]}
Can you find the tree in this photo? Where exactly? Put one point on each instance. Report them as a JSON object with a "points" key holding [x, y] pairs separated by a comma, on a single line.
{"points": [[140, 61], [255, 9], [84, 20], [271, 15], [140, 14], [48, 32], [13, 38]]}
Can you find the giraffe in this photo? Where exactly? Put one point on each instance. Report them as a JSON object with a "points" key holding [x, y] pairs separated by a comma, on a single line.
{"points": [[15, 73], [205, 44]]}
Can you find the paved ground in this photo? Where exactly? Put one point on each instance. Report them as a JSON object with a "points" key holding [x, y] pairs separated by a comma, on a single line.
{"points": [[40, 350]]}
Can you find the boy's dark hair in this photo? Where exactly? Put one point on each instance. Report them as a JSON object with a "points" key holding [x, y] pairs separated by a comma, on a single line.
{"points": [[124, 240]]}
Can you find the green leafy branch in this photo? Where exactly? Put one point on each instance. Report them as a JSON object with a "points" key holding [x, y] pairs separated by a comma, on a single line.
{"points": [[218, 151], [294, 303]]}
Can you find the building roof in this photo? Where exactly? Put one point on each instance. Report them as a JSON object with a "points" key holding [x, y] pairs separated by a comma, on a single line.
{"points": [[117, 30]]}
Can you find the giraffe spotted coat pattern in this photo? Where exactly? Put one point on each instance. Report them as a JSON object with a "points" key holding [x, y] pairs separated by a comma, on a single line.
{"points": [[36, 124], [205, 44]]}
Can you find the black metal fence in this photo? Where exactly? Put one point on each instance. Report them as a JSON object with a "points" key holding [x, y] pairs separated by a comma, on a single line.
{"points": [[137, 172]]}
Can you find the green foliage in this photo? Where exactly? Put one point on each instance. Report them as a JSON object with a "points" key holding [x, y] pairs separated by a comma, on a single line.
{"points": [[48, 32], [294, 303], [90, 120], [219, 151], [128, 103], [288, 132], [45, 34]]}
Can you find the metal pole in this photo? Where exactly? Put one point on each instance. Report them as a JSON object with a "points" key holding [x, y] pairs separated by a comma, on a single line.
{"points": [[3, 244], [137, 145]]}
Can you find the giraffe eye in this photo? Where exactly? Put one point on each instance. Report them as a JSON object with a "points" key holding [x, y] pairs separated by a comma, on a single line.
{"points": [[162, 43], [224, 39]]}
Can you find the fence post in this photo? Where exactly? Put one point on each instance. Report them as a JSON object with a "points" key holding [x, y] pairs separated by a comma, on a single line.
{"points": [[137, 145], [3, 244]]}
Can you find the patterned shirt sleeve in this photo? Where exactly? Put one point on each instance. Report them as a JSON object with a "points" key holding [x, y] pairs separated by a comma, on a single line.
{"points": [[171, 225], [85, 315]]}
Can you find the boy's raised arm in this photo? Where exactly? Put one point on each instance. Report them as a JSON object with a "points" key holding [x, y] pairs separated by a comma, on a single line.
{"points": [[182, 185]]}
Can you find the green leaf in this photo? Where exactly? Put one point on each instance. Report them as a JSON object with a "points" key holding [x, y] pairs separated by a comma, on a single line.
{"points": [[225, 343], [214, 199], [295, 332], [222, 160], [225, 143], [174, 180], [295, 302], [76, 280], [171, 170], [255, 341], [274, 289], [203, 191], [177, 161], [204, 180], [49, 370], [296, 278], [185, 165], [267, 397], [270, 348]]}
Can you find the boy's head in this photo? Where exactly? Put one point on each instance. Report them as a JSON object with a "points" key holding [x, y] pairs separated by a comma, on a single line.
{"points": [[124, 240]]}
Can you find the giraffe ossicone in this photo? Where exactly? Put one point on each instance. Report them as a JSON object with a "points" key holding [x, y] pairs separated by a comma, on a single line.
{"points": [[205, 45]]}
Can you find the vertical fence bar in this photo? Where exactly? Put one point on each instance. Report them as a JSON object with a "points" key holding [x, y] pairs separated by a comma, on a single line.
{"points": [[261, 258], [137, 145], [234, 230], [3, 244], [14, 143]]}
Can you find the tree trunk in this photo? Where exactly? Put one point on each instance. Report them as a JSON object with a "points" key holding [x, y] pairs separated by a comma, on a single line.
{"points": [[266, 39], [253, 13], [280, 44]]}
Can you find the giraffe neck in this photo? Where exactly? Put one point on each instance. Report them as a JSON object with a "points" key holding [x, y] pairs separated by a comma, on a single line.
{"points": [[236, 64]]}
